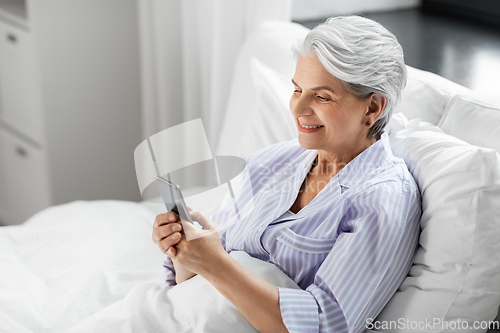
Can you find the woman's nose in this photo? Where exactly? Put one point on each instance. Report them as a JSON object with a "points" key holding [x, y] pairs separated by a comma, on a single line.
{"points": [[300, 106]]}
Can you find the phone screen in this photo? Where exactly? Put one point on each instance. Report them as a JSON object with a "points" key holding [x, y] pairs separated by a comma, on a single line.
{"points": [[173, 199]]}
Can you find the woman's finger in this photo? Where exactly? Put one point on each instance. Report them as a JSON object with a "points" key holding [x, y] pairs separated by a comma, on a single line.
{"points": [[171, 252], [163, 231], [169, 241], [166, 218], [203, 220]]}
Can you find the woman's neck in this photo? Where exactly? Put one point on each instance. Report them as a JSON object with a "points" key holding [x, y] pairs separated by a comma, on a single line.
{"points": [[329, 163]]}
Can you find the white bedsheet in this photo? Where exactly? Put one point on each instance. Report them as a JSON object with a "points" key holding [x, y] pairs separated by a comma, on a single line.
{"points": [[192, 306], [92, 267]]}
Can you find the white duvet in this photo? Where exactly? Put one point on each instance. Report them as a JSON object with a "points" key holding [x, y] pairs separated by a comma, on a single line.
{"points": [[92, 267]]}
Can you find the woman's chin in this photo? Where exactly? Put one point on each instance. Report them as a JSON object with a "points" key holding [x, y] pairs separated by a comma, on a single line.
{"points": [[307, 143]]}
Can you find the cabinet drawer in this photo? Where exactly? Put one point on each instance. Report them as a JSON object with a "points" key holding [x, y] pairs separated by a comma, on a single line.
{"points": [[19, 85], [24, 189]]}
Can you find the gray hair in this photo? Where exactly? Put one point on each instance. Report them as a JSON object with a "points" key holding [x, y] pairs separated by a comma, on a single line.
{"points": [[364, 55]]}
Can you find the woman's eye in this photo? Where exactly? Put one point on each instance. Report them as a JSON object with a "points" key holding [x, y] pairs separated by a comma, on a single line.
{"points": [[324, 99], [296, 91]]}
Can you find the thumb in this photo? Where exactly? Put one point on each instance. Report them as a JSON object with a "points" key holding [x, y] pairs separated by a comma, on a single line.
{"points": [[203, 220]]}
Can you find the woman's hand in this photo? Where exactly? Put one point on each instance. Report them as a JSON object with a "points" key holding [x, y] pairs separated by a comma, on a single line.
{"points": [[200, 250], [167, 232]]}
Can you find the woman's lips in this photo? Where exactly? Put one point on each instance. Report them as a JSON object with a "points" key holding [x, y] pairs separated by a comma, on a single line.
{"points": [[309, 128]]}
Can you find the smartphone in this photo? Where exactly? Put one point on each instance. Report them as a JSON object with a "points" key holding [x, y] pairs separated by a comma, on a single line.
{"points": [[173, 199]]}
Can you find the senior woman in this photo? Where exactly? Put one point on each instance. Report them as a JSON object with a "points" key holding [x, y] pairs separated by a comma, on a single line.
{"points": [[339, 214]]}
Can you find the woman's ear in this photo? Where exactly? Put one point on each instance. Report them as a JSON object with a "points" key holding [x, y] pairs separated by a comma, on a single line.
{"points": [[375, 107]]}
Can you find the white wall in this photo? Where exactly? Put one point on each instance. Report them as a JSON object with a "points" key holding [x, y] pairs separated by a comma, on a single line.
{"points": [[318, 9]]}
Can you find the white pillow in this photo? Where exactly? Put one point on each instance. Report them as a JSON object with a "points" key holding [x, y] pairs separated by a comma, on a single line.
{"points": [[455, 278], [426, 95], [473, 120], [271, 121]]}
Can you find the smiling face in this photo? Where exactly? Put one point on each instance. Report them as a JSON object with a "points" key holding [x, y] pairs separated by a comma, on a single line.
{"points": [[329, 118]]}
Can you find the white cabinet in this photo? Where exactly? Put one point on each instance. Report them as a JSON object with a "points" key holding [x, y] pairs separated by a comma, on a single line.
{"points": [[69, 103], [18, 82], [26, 190]]}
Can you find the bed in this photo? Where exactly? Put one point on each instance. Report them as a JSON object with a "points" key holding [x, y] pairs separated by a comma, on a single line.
{"points": [[91, 266]]}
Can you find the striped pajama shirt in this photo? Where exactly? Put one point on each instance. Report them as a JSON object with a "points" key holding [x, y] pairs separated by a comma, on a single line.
{"points": [[348, 249]]}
